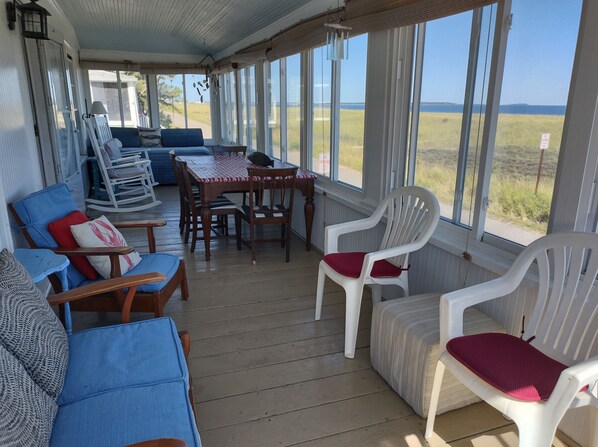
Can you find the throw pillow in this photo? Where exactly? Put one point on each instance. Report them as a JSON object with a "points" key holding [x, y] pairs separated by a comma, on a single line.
{"points": [[150, 137], [112, 148], [101, 233], [29, 329], [26, 412], [105, 158], [61, 231]]}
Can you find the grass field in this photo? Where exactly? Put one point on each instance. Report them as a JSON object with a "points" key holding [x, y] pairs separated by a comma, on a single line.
{"points": [[515, 165], [514, 168]]}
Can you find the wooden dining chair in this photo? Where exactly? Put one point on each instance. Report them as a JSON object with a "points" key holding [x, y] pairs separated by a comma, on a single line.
{"points": [[271, 194], [221, 208], [177, 177]]}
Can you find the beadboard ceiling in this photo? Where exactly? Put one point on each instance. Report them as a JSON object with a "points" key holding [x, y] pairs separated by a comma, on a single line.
{"points": [[174, 26]]}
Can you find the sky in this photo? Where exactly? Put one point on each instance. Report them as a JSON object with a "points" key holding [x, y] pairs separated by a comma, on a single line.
{"points": [[539, 59]]}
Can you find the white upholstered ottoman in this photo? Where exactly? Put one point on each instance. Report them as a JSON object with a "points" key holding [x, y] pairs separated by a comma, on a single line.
{"points": [[404, 350]]}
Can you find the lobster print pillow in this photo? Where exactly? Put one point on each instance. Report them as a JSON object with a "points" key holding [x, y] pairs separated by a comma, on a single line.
{"points": [[101, 233]]}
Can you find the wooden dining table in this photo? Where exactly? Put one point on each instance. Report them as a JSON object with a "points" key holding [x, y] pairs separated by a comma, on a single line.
{"points": [[218, 174]]}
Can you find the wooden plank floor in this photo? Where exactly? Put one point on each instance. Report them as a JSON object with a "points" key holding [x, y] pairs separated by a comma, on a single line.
{"points": [[266, 374]]}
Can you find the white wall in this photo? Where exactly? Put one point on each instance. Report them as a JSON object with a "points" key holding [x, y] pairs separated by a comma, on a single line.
{"points": [[20, 170]]}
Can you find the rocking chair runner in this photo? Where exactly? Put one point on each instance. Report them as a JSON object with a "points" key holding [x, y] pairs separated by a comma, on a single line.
{"points": [[129, 180], [33, 214]]}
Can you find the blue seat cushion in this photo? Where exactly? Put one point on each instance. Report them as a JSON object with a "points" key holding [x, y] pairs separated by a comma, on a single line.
{"points": [[40, 208], [156, 262], [127, 416], [182, 137], [153, 262], [115, 357]]}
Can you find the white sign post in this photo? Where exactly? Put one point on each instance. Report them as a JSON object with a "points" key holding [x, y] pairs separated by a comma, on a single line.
{"points": [[544, 143]]}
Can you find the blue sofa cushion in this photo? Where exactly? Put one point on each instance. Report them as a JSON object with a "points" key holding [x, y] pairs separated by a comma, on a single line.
{"points": [[114, 357], [26, 411], [128, 136], [128, 416], [40, 208], [182, 137], [29, 329]]}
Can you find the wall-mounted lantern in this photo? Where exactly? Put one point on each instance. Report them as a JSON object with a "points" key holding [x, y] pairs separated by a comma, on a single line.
{"points": [[34, 19]]}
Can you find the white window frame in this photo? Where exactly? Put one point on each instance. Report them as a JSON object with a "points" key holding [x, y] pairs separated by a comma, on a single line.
{"points": [[334, 155], [479, 239]]}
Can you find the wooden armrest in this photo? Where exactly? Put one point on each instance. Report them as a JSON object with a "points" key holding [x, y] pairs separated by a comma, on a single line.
{"points": [[108, 285], [140, 224], [94, 251], [165, 442], [149, 225]]}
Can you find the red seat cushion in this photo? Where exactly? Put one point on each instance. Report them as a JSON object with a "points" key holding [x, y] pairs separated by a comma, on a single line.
{"points": [[509, 364], [349, 264], [61, 231]]}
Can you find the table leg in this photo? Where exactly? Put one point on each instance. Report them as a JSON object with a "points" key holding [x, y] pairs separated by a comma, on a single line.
{"points": [[309, 219], [206, 226]]}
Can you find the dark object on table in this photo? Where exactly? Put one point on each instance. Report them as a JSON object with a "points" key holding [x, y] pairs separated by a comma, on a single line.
{"points": [[260, 159]]}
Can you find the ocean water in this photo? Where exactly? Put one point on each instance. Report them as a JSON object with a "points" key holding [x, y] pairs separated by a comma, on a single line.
{"points": [[515, 109]]}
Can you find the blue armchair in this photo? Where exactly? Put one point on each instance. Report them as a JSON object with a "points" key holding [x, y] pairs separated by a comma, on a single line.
{"points": [[108, 386], [33, 214]]}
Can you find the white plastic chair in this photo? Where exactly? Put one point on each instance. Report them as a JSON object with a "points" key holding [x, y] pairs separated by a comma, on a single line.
{"points": [[128, 180], [412, 214], [563, 326]]}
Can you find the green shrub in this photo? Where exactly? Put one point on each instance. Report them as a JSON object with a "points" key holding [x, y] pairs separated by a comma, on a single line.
{"points": [[518, 199]]}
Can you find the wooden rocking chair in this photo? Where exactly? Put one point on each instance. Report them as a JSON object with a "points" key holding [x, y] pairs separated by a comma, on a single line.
{"points": [[33, 214]]}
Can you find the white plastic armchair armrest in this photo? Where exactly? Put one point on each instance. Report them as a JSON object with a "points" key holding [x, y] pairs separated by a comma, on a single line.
{"points": [[370, 259], [453, 305], [572, 380], [333, 232]]}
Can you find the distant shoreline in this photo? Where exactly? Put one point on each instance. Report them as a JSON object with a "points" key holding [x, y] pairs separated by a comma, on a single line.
{"points": [[513, 109]]}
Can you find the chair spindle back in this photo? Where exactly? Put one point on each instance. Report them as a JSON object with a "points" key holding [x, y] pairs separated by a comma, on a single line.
{"points": [[409, 215], [564, 323]]}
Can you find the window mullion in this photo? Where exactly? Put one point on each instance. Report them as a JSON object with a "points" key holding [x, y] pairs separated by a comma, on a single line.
{"points": [[335, 119], [417, 92], [153, 98], [499, 49], [120, 99], [474, 50], [283, 109], [306, 146], [185, 101], [247, 105], [238, 92]]}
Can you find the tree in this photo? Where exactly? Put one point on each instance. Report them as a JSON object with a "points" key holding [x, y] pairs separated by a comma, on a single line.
{"points": [[168, 94]]}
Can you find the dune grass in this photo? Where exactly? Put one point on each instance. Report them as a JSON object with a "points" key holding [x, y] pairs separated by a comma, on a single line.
{"points": [[514, 169]]}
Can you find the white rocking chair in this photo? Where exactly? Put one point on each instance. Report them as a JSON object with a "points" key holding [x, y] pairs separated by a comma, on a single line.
{"points": [[129, 180], [553, 366]]}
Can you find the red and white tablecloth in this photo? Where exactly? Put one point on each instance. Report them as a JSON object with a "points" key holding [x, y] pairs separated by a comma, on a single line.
{"points": [[225, 168]]}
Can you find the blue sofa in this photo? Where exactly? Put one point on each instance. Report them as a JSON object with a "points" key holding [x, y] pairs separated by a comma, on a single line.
{"points": [[108, 386], [183, 141]]}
